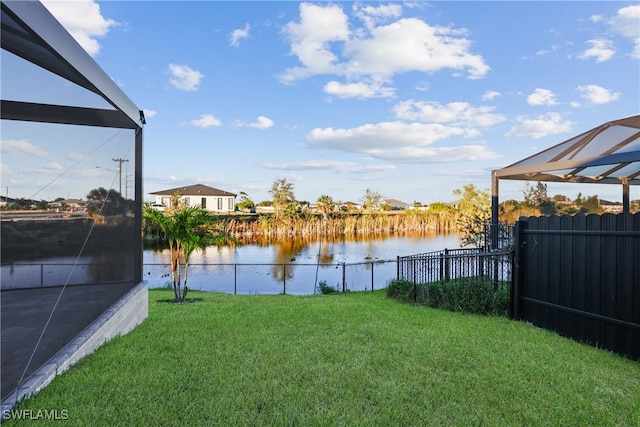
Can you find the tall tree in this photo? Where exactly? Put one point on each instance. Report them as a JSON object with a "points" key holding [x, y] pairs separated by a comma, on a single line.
{"points": [[283, 197], [245, 202], [474, 208], [538, 197], [325, 205], [371, 200], [103, 202]]}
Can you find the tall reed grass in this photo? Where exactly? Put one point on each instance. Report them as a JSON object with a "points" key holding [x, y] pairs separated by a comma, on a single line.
{"points": [[342, 224]]}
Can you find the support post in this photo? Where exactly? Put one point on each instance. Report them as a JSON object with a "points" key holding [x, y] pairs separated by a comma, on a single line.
{"points": [[494, 210], [625, 196]]}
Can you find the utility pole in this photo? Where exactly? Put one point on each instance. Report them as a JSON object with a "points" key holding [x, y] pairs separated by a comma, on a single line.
{"points": [[120, 161]]}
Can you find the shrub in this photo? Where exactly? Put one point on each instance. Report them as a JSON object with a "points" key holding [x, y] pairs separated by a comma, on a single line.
{"points": [[326, 289], [401, 290], [476, 295]]}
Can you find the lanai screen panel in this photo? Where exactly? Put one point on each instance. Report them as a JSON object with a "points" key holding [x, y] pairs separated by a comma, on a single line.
{"points": [[71, 148], [71, 187]]}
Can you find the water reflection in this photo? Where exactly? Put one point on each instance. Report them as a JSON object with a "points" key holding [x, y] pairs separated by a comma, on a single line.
{"points": [[257, 265]]}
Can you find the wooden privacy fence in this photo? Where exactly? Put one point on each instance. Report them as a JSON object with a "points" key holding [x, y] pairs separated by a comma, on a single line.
{"points": [[580, 276]]}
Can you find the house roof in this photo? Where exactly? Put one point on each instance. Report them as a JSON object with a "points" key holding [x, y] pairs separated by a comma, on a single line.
{"points": [[396, 202], [194, 190]]}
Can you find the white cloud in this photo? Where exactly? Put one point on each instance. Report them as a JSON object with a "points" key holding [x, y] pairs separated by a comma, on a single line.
{"points": [[491, 95], [456, 113], [410, 44], [311, 37], [597, 95], [205, 121], [601, 49], [626, 24], [53, 166], [261, 123], [324, 44], [541, 97], [83, 20], [149, 113], [76, 156], [547, 124], [595, 18], [337, 166], [372, 15], [21, 146], [398, 141], [360, 90], [239, 34], [554, 48], [184, 77]]}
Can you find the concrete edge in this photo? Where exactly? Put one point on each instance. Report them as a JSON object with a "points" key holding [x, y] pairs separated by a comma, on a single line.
{"points": [[119, 319]]}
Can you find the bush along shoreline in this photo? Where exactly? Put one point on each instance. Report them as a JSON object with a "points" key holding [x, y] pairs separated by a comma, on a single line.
{"points": [[239, 225], [475, 295]]}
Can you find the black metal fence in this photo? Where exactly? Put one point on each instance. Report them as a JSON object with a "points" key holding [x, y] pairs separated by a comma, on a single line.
{"points": [[235, 278], [580, 276], [450, 264]]}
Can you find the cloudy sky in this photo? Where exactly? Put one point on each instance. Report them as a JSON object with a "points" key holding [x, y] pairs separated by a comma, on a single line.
{"points": [[410, 99]]}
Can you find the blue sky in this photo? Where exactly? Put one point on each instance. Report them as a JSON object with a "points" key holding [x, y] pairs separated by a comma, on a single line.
{"points": [[410, 99]]}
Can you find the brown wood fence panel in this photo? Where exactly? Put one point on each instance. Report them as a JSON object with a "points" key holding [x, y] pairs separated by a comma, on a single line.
{"points": [[580, 276]]}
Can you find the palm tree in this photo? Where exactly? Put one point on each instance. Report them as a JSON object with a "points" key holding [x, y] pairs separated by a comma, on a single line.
{"points": [[186, 228], [325, 205]]}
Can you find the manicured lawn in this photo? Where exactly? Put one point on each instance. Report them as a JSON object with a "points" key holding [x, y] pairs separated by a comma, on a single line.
{"points": [[356, 359]]}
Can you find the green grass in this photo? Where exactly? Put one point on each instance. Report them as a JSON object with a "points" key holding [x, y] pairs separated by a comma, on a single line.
{"points": [[355, 359]]}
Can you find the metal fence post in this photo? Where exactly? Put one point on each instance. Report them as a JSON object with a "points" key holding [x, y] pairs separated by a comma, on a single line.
{"points": [[235, 279], [447, 272], [371, 276], [284, 279], [344, 282]]}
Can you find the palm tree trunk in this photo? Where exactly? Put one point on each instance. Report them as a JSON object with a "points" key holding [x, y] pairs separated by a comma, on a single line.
{"points": [[174, 268], [186, 272]]}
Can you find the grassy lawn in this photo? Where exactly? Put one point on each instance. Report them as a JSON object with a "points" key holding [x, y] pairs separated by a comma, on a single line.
{"points": [[355, 359]]}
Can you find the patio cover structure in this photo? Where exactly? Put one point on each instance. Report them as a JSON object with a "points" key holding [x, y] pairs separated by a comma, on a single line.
{"points": [[607, 154]]}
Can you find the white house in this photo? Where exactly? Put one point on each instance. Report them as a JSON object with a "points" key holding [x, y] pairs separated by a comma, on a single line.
{"points": [[208, 198]]}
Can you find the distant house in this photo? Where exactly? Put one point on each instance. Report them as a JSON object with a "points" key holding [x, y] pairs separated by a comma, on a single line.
{"points": [[71, 204], [612, 207], [349, 206], [4, 201], [208, 198], [396, 205]]}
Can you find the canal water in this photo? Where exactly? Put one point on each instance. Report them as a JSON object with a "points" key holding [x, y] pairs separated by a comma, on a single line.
{"points": [[291, 265], [296, 265]]}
